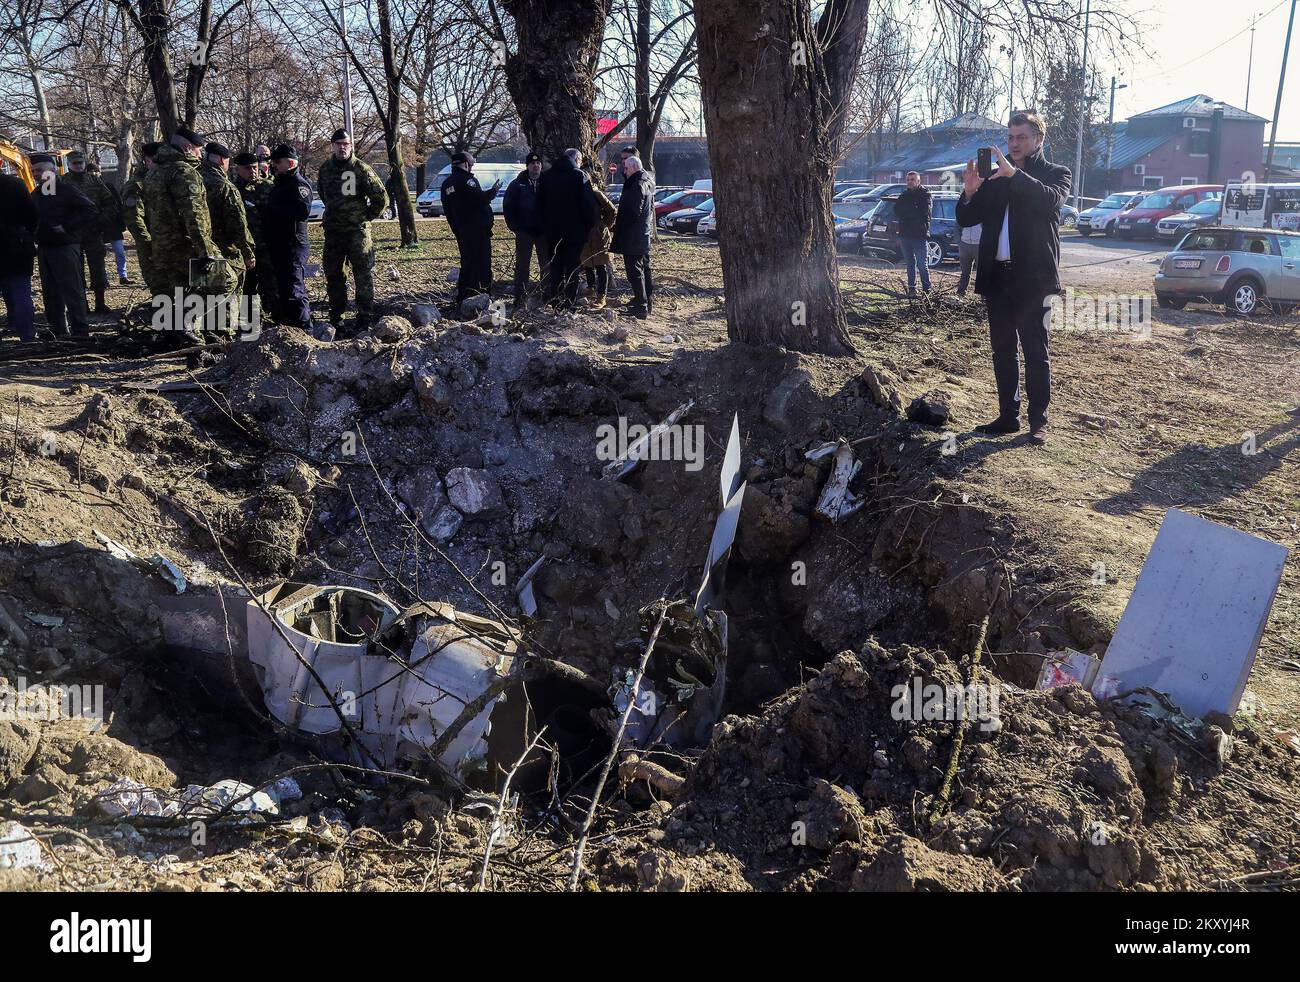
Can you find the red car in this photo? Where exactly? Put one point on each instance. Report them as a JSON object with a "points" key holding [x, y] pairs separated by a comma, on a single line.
{"points": [[680, 200], [1140, 222]]}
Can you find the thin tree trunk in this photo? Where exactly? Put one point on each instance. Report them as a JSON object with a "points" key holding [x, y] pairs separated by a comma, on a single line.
{"points": [[551, 77], [841, 31], [399, 189], [155, 26], [645, 128], [768, 115]]}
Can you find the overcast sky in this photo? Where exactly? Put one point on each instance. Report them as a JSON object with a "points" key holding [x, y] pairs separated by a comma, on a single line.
{"points": [[1190, 48]]}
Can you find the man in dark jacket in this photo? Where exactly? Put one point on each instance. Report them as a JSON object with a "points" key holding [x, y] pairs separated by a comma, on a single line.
{"points": [[283, 216], [520, 209], [18, 219], [65, 216], [1016, 273], [468, 208], [92, 237], [912, 210], [633, 229], [568, 212]]}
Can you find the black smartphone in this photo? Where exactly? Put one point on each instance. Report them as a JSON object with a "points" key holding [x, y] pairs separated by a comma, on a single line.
{"points": [[984, 162]]}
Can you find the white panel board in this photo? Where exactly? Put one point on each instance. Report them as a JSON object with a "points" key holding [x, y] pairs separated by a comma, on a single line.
{"points": [[1193, 623]]}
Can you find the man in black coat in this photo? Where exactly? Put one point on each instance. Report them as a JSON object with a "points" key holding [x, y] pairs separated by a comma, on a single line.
{"points": [[283, 216], [522, 218], [18, 219], [1020, 249], [468, 208], [65, 218], [568, 212], [633, 229]]}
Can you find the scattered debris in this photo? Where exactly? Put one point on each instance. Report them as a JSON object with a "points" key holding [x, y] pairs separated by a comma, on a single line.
{"points": [[645, 447], [524, 589], [932, 409], [1068, 667], [836, 500]]}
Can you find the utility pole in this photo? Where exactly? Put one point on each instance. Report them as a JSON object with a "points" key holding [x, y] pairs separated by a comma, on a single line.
{"points": [[1110, 124], [1250, 61], [1011, 89], [1083, 109], [347, 71], [1277, 108]]}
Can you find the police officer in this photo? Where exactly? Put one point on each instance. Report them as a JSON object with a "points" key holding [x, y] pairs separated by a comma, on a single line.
{"points": [[284, 216], [180, 228], [253, 189], [229, 234], [353, 196], [92, 239], [468, 208], [134, 217]]}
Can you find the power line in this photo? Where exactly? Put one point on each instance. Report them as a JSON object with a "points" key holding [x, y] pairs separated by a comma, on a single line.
{"points": [[1211, 51]]}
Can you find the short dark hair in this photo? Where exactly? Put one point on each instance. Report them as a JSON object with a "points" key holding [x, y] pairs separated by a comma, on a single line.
{"points": [[1028, 118]]}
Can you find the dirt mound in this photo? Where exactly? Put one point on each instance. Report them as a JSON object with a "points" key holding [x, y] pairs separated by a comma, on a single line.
{"points": [[832, 788]]}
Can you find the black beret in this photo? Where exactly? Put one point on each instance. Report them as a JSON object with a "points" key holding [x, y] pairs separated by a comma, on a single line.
{"points": [[340, 134], [187, 134], [41, 158], [244, 159], [533, 157], [150, 149], [284, 152], [217, 150]]}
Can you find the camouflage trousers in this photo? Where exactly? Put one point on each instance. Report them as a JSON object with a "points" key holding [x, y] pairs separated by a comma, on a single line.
{"points": [[209, 300], [354, 247]]}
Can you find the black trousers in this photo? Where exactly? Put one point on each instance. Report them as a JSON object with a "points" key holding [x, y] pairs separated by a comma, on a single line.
{"points": [[564, 264], [290, 268], [475, 264], [638, 277], [525, 246], [1018, 321]]}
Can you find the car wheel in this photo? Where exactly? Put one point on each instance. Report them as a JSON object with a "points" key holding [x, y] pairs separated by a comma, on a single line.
{"points": [[1244, 298], [933, 253], [1170, 303], [1085, 232], [1110, 231]]}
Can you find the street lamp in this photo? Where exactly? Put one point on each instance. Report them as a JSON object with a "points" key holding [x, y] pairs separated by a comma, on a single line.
{"points": [[1110, 124]]}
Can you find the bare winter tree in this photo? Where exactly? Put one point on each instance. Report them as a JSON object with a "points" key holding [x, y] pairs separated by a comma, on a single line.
{"points": [[959, 75], [649, 52], [34, 36]]}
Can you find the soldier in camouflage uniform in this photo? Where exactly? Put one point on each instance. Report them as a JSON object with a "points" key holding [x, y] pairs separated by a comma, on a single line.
{"points": [[176, 210], [253, 189], [229, 229], [133, 213], [92, 239], [353, 196]]}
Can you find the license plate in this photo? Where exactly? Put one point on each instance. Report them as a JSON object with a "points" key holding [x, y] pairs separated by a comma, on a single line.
{"points": [[878, 228], [1187, 264]]}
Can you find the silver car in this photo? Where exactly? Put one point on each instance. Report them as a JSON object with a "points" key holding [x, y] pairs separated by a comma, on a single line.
{"points": [[1241, 268], [1200, 215]]}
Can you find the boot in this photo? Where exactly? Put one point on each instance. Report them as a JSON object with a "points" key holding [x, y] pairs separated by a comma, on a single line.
{"points": [[597, 303], [100, 306]]}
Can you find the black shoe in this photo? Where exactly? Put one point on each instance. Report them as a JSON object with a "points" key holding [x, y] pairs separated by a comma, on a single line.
{"points": [[999, 426], [101, 309], [125, 280], [1038, 433]]}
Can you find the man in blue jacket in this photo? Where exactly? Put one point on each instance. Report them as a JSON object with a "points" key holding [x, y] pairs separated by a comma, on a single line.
{"points": [[522, 218], [1020, 250]]}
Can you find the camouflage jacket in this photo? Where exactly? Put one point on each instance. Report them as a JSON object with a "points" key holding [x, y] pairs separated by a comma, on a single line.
{"points": [[352, 193], [133, 204], [101, 196], [226, 208], [254, 193], [176, 206]]}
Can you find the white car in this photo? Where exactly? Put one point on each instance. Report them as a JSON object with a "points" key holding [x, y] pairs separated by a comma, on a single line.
{"points": [[708, 225], [317, 209], [1101, 216], [429, 203]]}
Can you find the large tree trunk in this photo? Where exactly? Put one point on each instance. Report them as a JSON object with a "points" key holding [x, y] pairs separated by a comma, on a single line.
{"points": [[551, 76], [768, 115], [155, 26]]}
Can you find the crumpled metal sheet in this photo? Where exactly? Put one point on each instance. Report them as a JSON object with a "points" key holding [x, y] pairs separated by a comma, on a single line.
{"points": [[836, 500]]}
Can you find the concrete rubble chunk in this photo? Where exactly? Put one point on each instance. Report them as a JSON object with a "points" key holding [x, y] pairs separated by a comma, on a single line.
{"points": [[475, 493], [422, 492], [932, 409], [391, 328]]}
